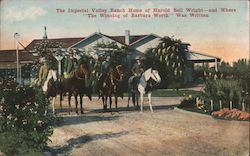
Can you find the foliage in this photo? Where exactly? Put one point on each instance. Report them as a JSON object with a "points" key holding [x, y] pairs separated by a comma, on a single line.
{"points": [[188, 102], [46, 48], [169, 58], [175, 93], [233, 114], [118, 54], [118, 57], [224, 90], [24, 127]]}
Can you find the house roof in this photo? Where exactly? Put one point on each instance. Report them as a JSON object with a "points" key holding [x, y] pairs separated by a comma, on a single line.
{"points": [[10, 56], [69, 42], [66, 42], [121, 39], [200, 57]]}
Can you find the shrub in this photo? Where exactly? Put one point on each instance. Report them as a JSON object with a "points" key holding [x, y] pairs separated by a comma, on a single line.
{"points": [[188, 103], [224, 90], [24, 127]]}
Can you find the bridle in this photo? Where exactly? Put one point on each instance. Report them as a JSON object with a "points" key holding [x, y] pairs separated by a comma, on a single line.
{"points": [[154, 76]]}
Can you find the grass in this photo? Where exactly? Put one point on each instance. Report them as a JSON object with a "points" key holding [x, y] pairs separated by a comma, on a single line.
{"points": [[169, 93], [196, 110], [175, 93]]}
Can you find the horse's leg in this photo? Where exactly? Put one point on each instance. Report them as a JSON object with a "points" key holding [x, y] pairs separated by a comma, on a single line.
{"points": [[53, 104], [76, 101], [61, 98], [69, 97], [81, 96], [133, 99], [116, 100], [137, 100], [150, 102], [46, 107], [110, 103], [104, 102], [129, 95], [141, 94]]}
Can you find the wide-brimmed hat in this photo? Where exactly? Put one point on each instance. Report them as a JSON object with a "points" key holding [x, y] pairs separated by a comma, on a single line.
{"points": [[42, 60]]}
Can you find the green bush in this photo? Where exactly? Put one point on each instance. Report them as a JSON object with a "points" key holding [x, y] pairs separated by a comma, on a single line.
{"points": [[24, 126], [188, 103], [224, 90]]}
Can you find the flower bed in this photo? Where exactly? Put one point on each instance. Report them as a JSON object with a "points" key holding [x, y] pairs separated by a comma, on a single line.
{"points": [[231, 114]]}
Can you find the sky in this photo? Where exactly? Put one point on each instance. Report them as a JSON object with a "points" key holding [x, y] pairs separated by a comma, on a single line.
{"points": [[222, 34]]}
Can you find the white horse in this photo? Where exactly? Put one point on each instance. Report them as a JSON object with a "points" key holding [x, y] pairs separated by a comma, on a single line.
{"points": [[52, 76], [148, 77]]}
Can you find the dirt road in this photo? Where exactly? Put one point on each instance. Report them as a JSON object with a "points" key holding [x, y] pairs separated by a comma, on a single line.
{"points": [[167, 131]]}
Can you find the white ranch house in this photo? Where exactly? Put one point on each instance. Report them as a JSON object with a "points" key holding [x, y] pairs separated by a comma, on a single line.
{"points": [[137, 43]]}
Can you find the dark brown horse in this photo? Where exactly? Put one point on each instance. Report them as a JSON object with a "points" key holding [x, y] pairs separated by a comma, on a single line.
{"points": [[76, 86], [112, 86]]}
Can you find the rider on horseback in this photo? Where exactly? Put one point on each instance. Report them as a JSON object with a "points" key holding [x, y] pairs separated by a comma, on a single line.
{"points": [[137, 70], [70, 63], [43, 72], [105, 68]]}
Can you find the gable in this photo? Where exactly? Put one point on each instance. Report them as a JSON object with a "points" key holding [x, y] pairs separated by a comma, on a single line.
{"points": [[89, 42], [150, 41]]}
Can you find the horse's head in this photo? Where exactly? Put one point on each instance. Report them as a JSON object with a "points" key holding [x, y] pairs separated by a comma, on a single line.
{"points": [[152, 74], [82, 72], [120, 71]]}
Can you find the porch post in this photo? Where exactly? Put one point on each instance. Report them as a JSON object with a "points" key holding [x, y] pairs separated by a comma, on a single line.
{"points": [[216, 65]]}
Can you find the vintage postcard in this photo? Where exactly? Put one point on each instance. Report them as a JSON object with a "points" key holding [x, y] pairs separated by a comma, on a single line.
{"points": [[123, 77]]}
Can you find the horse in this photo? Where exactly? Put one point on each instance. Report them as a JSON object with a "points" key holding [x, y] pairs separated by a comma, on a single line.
{"points": [[112, 86], [149, 79], [76, 86], [50, 88]]}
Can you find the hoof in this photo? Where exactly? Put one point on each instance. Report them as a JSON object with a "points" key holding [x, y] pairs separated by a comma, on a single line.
{"points": [[82, 112]]}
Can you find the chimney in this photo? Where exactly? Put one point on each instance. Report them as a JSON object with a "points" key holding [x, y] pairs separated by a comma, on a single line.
{"points": [[45, 33], [127, 36]]}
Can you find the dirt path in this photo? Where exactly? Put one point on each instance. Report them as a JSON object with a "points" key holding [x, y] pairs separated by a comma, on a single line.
{"points": [[167, 131]]}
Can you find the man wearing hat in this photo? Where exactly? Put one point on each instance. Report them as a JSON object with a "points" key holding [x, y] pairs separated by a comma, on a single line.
{"points": [[43, 72], [105, 67], [137, 70], [70, 63]]}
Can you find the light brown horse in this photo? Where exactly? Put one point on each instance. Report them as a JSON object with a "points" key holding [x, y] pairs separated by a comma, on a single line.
{"points": [[113, 86], [76, 86]]}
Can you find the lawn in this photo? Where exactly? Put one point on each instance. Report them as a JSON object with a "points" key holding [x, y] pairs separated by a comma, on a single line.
{"points": [[174, 93]]}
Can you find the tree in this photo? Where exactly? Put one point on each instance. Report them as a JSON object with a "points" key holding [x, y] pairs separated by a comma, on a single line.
{"points": [[46, 48], [169, 58], [118, 57]]}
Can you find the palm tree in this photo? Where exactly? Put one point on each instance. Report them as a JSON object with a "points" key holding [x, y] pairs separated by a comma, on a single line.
{"points": [[169, 57]]}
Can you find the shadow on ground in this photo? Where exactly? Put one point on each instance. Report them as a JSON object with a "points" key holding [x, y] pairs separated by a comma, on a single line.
{"points": [[72, 120], [79, 141]]}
